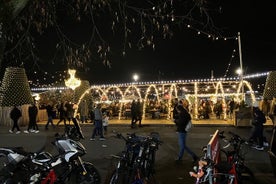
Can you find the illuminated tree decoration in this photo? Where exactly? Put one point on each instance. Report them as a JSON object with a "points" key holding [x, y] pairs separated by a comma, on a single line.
{"points": [[15, 89], [72, 82], [270, 86]]}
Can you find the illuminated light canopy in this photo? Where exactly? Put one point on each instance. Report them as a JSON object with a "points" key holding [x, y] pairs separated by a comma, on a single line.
{"points": [[72, 82]]}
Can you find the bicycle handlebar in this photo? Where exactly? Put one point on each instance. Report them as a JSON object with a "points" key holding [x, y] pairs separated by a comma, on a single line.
{"points": [[133, 138]]}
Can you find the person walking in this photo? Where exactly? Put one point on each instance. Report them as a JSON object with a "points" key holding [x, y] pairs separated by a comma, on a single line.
{"points": [[50, 114], [183, 118], [15, 114], [133, 114], [98, 124], [32, 111]]}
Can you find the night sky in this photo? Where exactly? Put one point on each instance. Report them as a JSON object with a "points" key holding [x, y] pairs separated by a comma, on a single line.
{"points": [[188, 55]]}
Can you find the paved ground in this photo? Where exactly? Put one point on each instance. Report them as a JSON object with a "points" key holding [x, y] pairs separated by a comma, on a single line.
{"points": [[167, 170]]}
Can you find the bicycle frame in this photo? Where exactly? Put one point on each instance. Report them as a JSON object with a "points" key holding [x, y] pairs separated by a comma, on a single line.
{"points": [[136, 164]]}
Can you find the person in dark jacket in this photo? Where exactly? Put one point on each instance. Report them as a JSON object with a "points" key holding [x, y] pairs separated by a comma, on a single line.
{"points": [[258, 120], [32, 127], [181, 122], [62, 114], [15, 114], [133, 114], [50, 114], [139, 112]]}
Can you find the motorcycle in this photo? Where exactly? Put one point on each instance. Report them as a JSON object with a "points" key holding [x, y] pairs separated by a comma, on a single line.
{"points": [[20, 167]]}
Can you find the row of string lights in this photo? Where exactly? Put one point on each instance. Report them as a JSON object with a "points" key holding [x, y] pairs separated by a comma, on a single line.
{"points": [[206, 80]]}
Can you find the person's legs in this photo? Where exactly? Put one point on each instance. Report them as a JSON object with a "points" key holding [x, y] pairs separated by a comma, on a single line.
{"points": [[50, 121], [101, 129], [96, 129], [13, 126], [94, 132], [253, 137], [183, 147], [16, 126], [181, 143], [140, 121], [133, 120], [260, 136], [189, 151]]}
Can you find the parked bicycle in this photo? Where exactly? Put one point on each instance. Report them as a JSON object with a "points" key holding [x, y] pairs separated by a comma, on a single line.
{"points": [[136, 162], [236, 157], [230, 169], [210, 173]]}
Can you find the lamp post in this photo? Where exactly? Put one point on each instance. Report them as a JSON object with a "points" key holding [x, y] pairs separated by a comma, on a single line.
{"points": [[239, 72], [241, 67]]}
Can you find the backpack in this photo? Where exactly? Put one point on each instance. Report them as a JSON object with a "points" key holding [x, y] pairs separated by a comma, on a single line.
{"points": [[189, 126]]}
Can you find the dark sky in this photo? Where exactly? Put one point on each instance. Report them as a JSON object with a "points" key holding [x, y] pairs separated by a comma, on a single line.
{"points": [[188, 55]]}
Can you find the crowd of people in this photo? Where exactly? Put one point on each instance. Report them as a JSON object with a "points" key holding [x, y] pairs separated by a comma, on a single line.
{"points": [[100, 115]]}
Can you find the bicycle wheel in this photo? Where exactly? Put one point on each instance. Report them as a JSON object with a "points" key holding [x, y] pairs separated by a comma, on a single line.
{"points": [[137, 177], [148, 165], [244, 175], [119, 177]]}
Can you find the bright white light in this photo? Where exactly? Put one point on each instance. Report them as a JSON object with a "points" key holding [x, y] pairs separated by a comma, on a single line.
{"points": [[239, 71], [135, 77]]}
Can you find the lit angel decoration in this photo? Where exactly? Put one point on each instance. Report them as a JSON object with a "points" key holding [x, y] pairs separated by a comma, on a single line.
{"points": [[72, 82]]}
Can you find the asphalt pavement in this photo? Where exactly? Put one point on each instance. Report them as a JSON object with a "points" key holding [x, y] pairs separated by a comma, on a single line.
{"points": [[167, 170]]}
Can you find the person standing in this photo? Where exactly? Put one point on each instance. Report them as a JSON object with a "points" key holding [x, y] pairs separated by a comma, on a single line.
{"points": [[83, 109], [33, 111], [272, 113], [50, 114], [15, 114], [139, 111], [258, 119], [69, 111], [62, 114], [98, 127], [133, 114], [265, 107], [183, 118], [105, 122]]}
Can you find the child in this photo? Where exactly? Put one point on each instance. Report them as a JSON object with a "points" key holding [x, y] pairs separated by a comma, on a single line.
{"points": [[105, 123]]}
